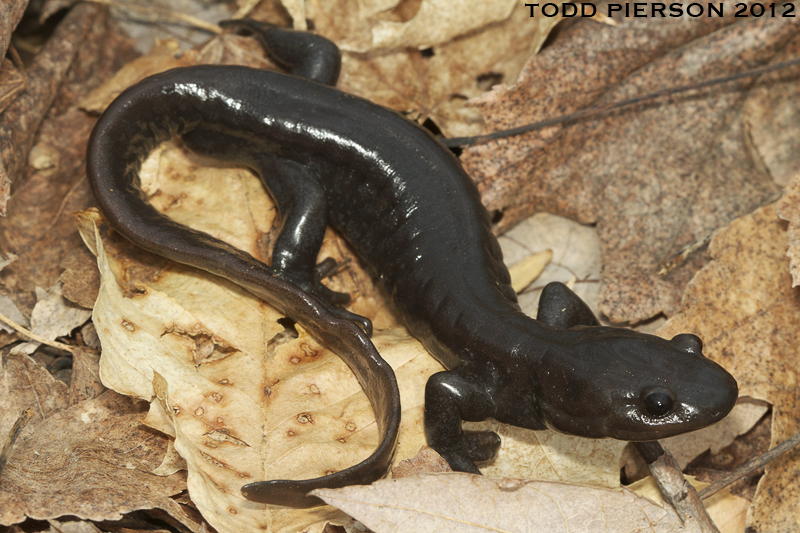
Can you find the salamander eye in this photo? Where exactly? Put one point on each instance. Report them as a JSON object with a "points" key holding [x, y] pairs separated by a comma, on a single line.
{"points": [[658, 401], [686, 342]]}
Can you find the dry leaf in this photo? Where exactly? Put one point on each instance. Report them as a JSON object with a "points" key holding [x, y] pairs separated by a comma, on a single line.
{"points": [[529, 269], [244, 400], [465, 503], [21, 120], [436, 22], [85, 381], [39, 227], [655, 178], [551, 456], [163, 57], [743, 306], [426, 461], [52, 317], [12, 82], [25, 384], [789, 210], [80, 279], [93, 461], [10, 15], [11, 311]]}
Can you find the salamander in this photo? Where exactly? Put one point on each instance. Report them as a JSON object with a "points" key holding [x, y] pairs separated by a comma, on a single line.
{"points": [[415, 217]]}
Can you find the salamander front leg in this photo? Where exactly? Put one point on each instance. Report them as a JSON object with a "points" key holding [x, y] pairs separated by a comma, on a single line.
{"points": [[449, 399]]}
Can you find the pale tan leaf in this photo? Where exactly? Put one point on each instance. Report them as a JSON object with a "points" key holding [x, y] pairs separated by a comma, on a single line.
{"points": [[551, 456], [439, 21], [53, 316], [527, 270], [576, 254], [468, 503], [162, 57], [789, 210]]}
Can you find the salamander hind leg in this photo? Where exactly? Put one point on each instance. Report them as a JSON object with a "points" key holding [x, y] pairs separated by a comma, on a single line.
{"points": [[301, 53], [561, 308], [451, 397], [303, 208]]}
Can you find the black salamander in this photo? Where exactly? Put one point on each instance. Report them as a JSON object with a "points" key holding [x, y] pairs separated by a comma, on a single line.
{"points": [[413, 214]]}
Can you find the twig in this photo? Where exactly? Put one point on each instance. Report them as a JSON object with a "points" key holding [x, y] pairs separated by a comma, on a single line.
{"points": [[751, 466], [595, 111], [34, 337], [678, 492]]}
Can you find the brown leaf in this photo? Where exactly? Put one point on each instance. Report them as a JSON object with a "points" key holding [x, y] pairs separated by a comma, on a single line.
{"points": [[12, 82], [39, 227], [92, 461], [465, 502], [10, 14], [25, 384], [426, 461], [85, 383], [655, 178], [80, 278], [21, 120], [744, 307]]}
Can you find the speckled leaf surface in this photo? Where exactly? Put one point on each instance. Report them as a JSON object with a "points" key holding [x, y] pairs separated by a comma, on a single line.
{"points": [[744, 307], [244, 400], [655, 178]]}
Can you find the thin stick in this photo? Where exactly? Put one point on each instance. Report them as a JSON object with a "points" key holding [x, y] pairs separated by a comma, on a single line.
{"points": [[751, 466], [674, 487], [595, 111], [34, 337]]}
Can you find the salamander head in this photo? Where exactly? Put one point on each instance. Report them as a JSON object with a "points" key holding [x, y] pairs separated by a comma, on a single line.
{"points": [[612, 382]]}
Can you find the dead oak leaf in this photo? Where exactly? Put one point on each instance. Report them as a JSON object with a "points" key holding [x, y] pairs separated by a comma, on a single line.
{"points": [[743, 306], [655, 178]]}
